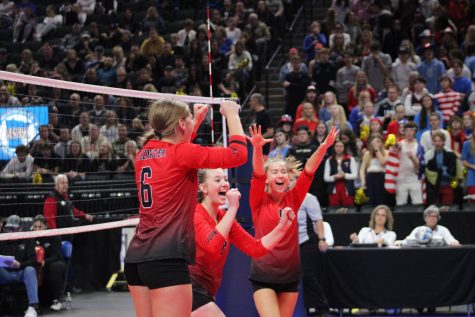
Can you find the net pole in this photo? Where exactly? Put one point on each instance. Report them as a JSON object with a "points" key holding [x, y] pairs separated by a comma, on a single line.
{"points": [[210, 70]]}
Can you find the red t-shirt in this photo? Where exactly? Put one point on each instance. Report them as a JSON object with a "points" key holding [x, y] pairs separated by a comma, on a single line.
{"points": [[166, 177], [212, 249], [282, 263], [311, 125]]}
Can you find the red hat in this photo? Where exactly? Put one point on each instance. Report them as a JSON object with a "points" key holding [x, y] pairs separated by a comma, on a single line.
{"points": [[376, 120], [319, 45], [286, 118], [293, 51]]}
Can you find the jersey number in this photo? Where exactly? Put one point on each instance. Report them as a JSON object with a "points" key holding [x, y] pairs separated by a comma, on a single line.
{"points": [[146, 189]]}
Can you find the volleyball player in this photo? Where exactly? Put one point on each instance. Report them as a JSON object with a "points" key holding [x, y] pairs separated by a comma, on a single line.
{"points": [[214, 230], [275, 275], [156, 263]]}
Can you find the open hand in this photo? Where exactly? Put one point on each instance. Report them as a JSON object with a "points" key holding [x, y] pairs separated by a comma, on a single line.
{"points": [[256, 138]]}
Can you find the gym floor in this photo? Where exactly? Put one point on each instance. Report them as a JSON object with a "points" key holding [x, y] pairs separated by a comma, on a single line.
{"points": [[102, 304]]}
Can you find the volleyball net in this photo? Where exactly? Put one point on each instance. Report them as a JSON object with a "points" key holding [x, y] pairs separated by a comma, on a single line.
{"points": [[88, 132]]}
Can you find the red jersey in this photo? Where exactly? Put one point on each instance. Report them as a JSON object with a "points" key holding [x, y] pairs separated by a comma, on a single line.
{"points": [[166, 177], [212, 249], [282, 263]]}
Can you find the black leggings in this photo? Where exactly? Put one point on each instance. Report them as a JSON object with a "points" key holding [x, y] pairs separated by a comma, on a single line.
{"points": [[313, 295], [54, 276]]}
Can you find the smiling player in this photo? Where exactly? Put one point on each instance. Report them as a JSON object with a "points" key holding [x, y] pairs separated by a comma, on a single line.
{"points": [[275, 275]]}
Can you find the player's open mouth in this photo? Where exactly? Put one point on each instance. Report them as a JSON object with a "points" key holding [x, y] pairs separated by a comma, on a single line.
{"points": [[279, 183], [222, 193]]}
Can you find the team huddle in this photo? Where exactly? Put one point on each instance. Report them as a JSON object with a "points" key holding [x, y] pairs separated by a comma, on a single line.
{"points": [[175, 261]]}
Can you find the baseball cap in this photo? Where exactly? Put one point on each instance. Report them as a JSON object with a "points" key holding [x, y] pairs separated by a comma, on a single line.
{"points": [[168, 67], [426, 33], [311, 87], [13, 222], [85, 34], [293, 51], [428, 46], [286, 118]]}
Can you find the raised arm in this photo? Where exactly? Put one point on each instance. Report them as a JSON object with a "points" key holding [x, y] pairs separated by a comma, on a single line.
{"points": [[257, 141], [230, 110], [314, 161], [199, 114]]}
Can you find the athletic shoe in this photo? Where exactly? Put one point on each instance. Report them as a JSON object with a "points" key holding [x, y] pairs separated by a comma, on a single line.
{"points": [[31, 312], [56, 306]]}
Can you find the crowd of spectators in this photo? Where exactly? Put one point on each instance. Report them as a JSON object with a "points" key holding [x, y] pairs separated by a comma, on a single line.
{"points": [[155, 46], [396, 77]]}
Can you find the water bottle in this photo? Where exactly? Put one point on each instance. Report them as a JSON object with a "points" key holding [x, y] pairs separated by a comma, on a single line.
{"points": [[68, 300]]}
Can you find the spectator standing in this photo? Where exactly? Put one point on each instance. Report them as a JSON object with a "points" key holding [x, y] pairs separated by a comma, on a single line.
{"points": [[449, 100], [295, 83], [377, 65], [407, 180], [263, 118], [345, 78], [431, 69], [441, 163], [187, 34], [324, 72], [401, 68], [422, 118], [313, 38], [340, 175]]}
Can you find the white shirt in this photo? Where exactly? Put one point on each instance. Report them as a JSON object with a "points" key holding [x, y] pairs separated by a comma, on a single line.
{"points": [[367, 235], [110, 133], [426, 140], [407, 172], [234, 35], [348, 176], [182, 36], [15, 168], [440, 232], [76, 134]]}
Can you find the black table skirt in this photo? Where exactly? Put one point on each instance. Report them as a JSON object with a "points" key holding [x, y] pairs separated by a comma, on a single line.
{"points": [[391, 278]]}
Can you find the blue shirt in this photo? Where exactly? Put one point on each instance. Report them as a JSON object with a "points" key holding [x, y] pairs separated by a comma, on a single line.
{"points": [[462, 85], [309, 46], [470, 62], [417, 121], [431, 72], [470, 158]]}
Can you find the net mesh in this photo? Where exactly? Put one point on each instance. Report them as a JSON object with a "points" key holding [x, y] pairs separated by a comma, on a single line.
{"points": [[91, 134]]}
